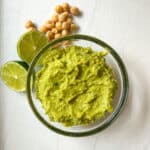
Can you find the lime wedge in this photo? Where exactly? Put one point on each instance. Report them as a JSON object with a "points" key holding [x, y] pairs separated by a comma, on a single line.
{"points": [[30, 44], [14, 74]]}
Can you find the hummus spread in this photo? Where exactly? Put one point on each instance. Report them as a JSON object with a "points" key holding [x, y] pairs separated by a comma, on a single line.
{"points": [[75, 85]]}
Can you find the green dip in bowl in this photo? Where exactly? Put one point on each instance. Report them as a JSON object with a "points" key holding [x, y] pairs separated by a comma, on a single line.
{"points": [[75, 85], [78, 89]]}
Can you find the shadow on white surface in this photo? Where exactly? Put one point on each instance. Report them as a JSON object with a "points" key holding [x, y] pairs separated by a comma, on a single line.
{"points": [[1, 121], [136, 109], [132, 124]]}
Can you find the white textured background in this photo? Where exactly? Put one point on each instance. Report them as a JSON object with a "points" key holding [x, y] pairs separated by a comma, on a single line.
{"points": [[124, 24]]}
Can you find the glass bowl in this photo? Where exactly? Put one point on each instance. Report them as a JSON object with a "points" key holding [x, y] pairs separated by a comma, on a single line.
{"points": [[113, 59]]}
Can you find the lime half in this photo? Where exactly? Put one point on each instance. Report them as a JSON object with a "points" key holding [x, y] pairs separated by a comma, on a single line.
{"points": [[30, 44], [14, 74]]}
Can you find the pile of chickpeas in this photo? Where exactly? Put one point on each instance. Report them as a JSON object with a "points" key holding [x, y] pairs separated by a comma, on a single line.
{"points": [[60, 24]]}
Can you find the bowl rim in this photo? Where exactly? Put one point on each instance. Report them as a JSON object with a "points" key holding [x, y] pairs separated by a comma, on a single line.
{"points": [[125, 88]]}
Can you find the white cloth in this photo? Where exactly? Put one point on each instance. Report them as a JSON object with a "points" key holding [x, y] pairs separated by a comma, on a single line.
{"points": [[124, 24]]}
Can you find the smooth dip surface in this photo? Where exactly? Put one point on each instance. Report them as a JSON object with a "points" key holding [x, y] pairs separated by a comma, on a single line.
{"points": [[75, 85]]}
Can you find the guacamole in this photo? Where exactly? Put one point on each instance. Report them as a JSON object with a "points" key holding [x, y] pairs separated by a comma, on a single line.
{"points": [[75, 85]]}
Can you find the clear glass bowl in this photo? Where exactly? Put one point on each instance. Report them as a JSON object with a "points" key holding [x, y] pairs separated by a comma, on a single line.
{"points": [[113, 59]]}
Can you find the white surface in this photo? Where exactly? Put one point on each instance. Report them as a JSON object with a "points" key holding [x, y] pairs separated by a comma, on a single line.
{"points": [[125, 24]]}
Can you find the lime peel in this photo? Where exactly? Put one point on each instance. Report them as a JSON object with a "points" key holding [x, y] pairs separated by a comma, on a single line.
{"points": [[30, 44], [14, 74]]}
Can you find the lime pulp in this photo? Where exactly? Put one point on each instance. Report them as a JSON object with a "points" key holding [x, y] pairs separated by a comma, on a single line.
{"points": [[14, 74], [30, 44]]}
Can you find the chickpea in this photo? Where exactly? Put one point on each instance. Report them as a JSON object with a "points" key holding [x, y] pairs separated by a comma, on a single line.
{"points": [[29, 24], [55, 18], [58, 26], [50, 35], [43, 29], [58, 35], [66, 42], [63, 16], [65, 25], [59, 9], [50, 25], [65, 32], [69, 20], [53, 23], [74, 11], [73, 27], [31, 29], [66, 14], [54, 30], [66, 7], [48, 21]]}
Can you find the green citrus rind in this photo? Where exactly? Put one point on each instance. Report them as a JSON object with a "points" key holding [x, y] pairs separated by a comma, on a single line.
{"points": [[29, 44], [14, 75]]}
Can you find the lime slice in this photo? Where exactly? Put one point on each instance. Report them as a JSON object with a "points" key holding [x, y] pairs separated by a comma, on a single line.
{"points": [[14, 74], [30, 44]]}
